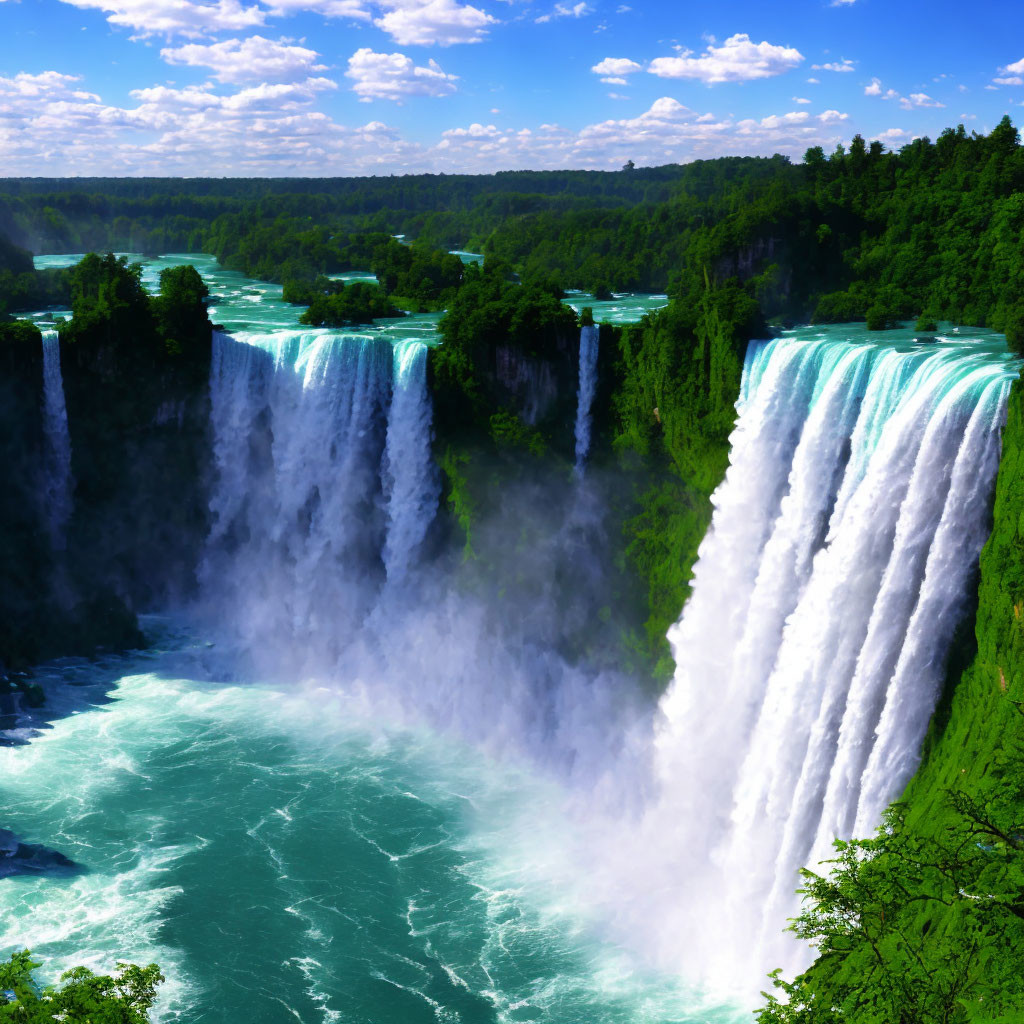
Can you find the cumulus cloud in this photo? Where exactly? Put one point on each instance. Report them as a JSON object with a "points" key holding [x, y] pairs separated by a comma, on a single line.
{"points": [[800, 99], [777, 120], [894, 135], [919, 99], [617, 66], [176, 17], [875, 89], [248, 60], [274, 128], [832, 117], [579, 10], [738, 59], [394, 76], [433, 22], [615, 81], [841, 66], [327, 8], [1011, 74]]}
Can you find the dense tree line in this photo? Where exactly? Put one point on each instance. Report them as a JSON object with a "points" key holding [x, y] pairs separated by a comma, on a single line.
{"points": [[934, 229]]}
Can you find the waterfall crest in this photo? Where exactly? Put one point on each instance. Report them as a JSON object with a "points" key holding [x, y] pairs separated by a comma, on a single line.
{"points": [[59, 485], [812, 651], [589, 340]]}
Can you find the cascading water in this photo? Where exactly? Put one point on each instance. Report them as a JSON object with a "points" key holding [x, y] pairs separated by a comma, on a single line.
{"points": [[58, 442], [326, 485], [325, 494], [589, 340], [374, 865], [410, 477], [811, 653]]}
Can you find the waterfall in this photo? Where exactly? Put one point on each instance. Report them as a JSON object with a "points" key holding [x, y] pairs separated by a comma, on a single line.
{"points": [[325, 485], [811, 653], [410, 477], [589, 339], [58, 442], [316, 566]]}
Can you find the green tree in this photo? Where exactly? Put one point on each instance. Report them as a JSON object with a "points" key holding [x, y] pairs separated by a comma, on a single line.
{"points": [[82, 996]]}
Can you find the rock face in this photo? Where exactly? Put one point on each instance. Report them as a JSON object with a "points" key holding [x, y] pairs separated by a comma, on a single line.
{"points": [[18, 858], [140, 457], [531, 383], [139, 435]]}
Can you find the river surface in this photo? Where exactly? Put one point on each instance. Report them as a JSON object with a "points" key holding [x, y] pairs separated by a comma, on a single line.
{"points": [[286, 855]]}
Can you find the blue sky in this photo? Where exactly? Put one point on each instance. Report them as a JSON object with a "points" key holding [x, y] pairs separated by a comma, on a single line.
{"points": [[323, 87]]}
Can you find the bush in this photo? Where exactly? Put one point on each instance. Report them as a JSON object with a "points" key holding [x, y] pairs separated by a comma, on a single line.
{"points": [[82, 997]]}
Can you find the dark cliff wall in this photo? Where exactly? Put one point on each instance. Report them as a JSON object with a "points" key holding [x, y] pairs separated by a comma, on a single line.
{"points": [[140, 443]]}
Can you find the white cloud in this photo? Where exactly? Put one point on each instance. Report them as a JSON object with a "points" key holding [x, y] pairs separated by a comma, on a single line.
{"points": [[618, 66], [434, 22], [832, 117], [842, 66], [394, 76], [736, 60], [614, 81], [800, 99], [176, 17], [247, 60], [1009, 80], [578, 10], [778, 120], [843, 3], [814, 81], [875, 89], [274, 129], [195, 18], [327, 8], [919, 99], [894, 135]]}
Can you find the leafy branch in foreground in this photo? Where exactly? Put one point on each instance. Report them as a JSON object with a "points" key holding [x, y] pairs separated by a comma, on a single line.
{"points": [[81, 998], [917, 929]]}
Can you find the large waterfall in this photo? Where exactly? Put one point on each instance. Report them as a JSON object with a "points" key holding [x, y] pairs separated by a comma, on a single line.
{"points": [[58, 442], [811, 653]]}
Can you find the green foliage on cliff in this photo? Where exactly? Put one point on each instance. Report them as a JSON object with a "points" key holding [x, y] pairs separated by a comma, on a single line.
{"points": [[82, 997], [925, 921], [678, 381], [491, 318]]}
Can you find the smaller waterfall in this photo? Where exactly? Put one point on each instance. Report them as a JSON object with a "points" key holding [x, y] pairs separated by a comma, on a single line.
{"points": [[589, 338], [58, 495], [325, 483], [411, 486]]}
